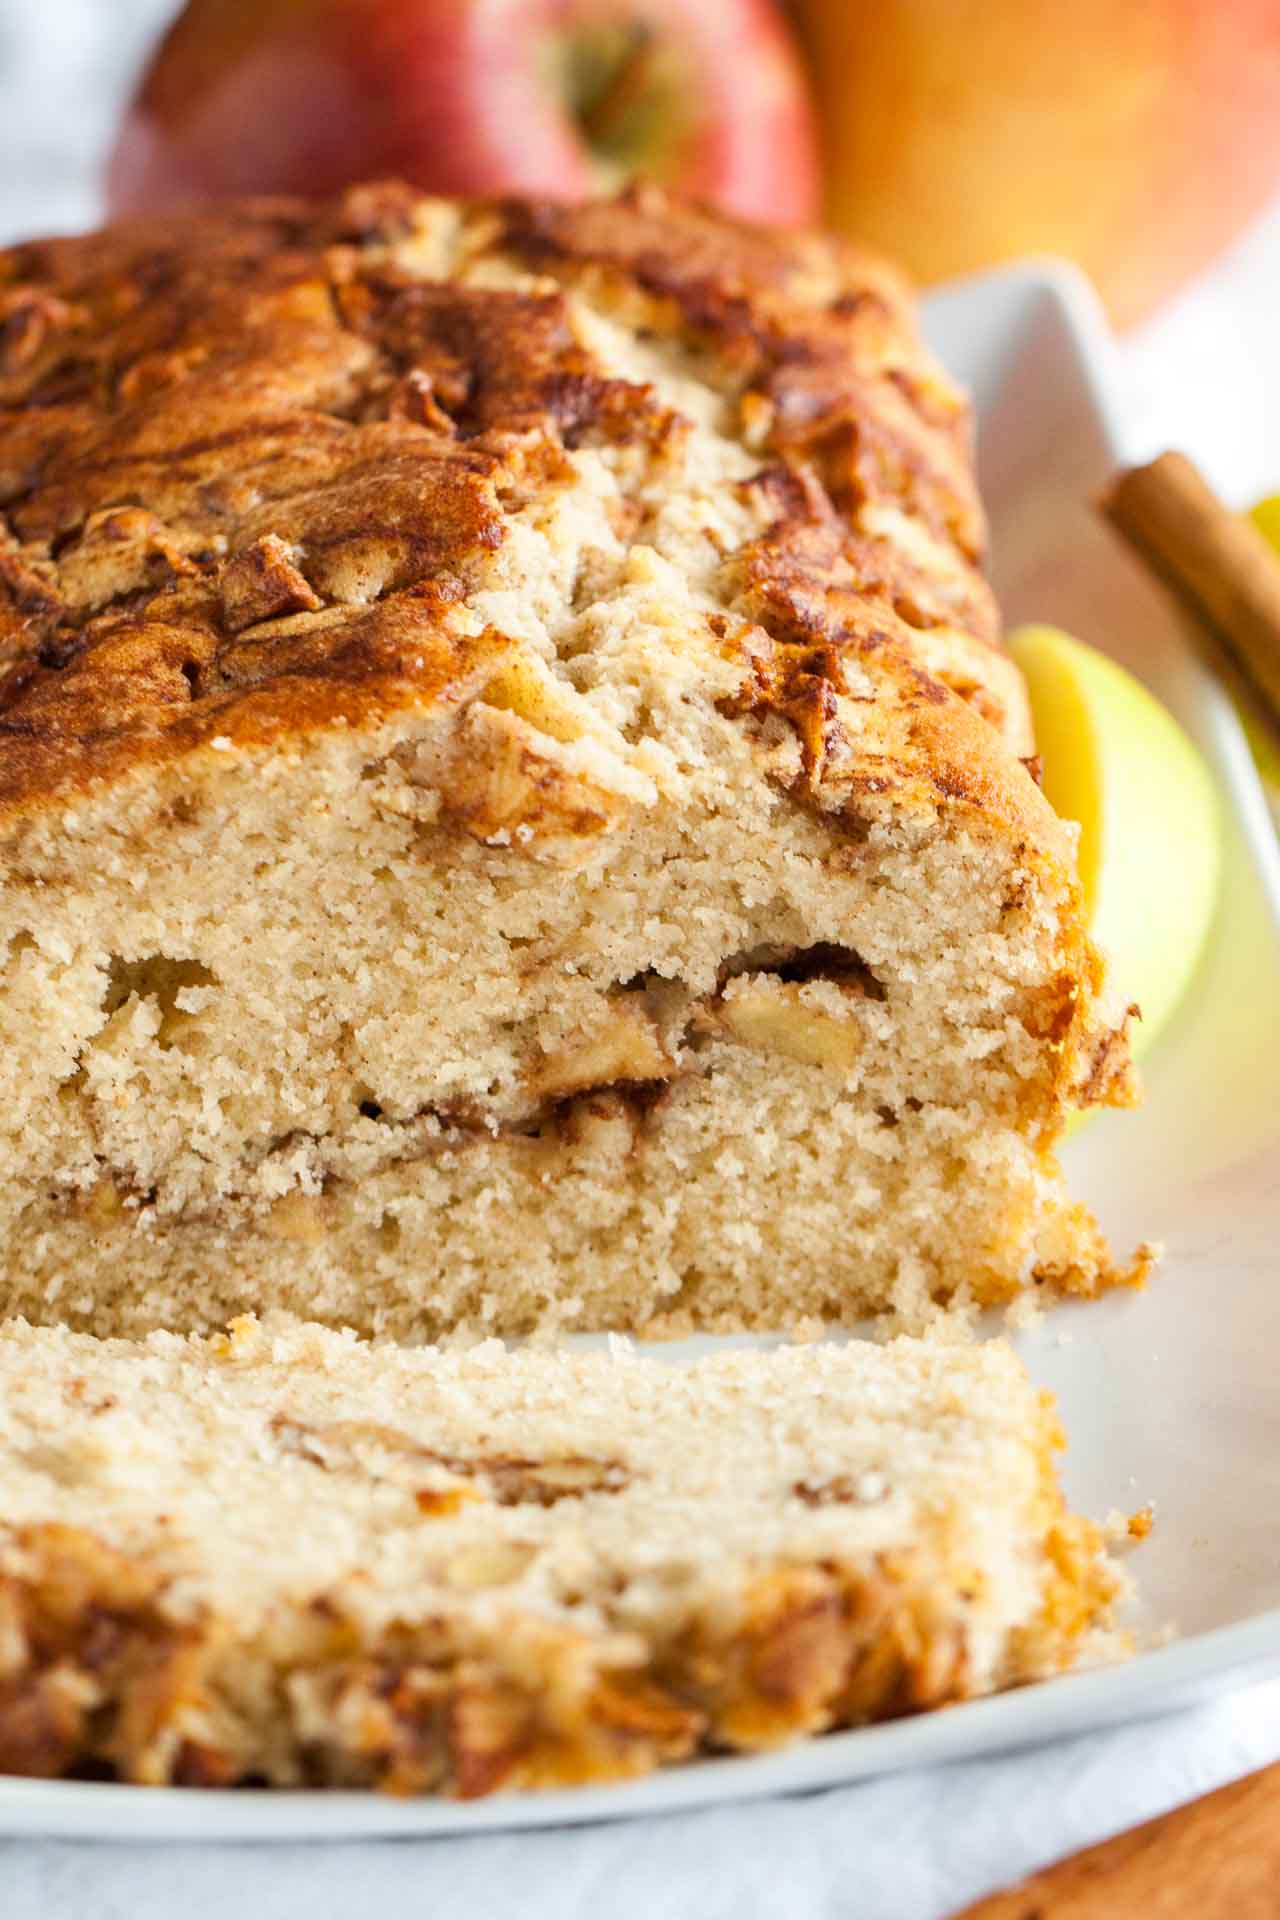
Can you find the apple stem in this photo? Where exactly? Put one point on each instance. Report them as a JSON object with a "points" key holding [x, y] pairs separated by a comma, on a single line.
{"points": [[602, 117]]}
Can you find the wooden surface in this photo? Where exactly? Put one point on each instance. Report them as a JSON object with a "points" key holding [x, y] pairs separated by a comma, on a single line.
{"points": [[1216, 1859]]}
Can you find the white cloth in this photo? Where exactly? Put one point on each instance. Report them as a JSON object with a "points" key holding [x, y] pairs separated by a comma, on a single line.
{"points": [[1205, 375]]}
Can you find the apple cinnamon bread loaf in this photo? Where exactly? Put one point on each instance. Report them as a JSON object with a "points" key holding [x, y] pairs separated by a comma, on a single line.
{"points": [[512, 805], [288, 1556]]}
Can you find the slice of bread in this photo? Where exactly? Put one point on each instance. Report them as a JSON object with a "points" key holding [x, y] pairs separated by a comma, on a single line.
{"points": [[285, 1555], [512, 805]]}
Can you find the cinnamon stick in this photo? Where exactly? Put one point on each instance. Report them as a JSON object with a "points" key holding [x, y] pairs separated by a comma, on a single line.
{"points": [[1216, 1859], [1216, 560]]}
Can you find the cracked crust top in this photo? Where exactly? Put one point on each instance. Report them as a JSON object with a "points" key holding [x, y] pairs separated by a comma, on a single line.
{"points": [[257, 464]]}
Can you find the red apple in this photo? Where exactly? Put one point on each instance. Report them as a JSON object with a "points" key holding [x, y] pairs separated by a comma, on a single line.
{"points": [[1135, 136], [555, 97]]}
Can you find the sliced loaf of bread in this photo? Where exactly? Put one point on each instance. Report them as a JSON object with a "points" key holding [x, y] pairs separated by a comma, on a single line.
{"points": [[512, 804]]}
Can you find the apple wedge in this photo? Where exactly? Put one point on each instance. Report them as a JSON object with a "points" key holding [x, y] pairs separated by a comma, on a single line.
{"points": [[1117, 762]]}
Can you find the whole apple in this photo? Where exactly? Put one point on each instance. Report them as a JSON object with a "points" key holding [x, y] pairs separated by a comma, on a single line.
{"points": [[555, 97], [1135, 136]]}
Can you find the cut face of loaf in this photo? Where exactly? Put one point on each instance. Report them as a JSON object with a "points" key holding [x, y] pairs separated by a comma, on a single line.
{"points": [[511, 806], [288, 1556]]}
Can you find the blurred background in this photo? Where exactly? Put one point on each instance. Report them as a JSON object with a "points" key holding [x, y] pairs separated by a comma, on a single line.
{"points": [[1141, 138]]}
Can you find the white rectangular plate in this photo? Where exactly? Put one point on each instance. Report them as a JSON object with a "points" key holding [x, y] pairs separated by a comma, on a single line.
{"points": [[1170, 1395]]}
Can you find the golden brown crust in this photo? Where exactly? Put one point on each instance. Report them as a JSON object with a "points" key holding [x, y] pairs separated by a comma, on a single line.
{"points": [[251, 462], [811, 336], [99, 1675], [84, 1631]]}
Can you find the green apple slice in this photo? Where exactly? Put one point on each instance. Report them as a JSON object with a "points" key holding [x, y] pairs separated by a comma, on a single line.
{"points": [[1119, 764]]}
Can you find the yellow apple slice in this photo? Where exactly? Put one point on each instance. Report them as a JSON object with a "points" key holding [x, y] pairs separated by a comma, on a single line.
{"points": [[1118, 763], [1266, 518]]}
